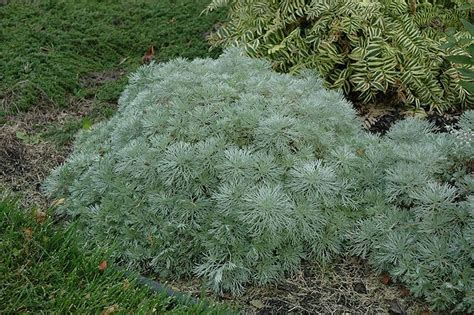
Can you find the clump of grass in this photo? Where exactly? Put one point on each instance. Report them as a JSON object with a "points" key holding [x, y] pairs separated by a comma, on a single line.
{"points": [[50, 47], [44, 270]]}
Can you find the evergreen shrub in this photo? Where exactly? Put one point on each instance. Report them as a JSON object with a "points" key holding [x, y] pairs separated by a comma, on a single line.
{"points": [[371, 48], [230, 171]]}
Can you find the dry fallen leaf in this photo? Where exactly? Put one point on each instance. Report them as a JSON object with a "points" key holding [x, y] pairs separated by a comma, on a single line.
{"points": [[126, 284], [360, 152], [404, 292], [103, 265], [110, 309], [149, 55], [28, 233], [385, 278], [40, 216], [426, 312]]}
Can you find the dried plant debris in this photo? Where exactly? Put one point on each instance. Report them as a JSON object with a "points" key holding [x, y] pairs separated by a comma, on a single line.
{"points": [[12, 156], [26, 156], [348, 286], [378, 119], [96, 79], [23, 165]]}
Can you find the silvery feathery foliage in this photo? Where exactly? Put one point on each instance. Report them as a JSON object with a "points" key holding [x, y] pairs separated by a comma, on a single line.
{"points": [[227, 170]]}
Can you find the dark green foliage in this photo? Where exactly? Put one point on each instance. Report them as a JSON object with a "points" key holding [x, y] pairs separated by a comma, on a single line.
{"points": [[49, 48], [230, 171], [466, 60], [44, 270], [373, 49]]}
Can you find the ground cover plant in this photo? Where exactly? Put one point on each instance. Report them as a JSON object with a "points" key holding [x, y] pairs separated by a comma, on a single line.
{"points": [[53, 52], [227, 170], [370, 49], [43, 269]]}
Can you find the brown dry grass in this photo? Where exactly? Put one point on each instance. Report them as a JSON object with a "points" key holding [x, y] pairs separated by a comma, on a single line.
{"points": [[348, 286]]}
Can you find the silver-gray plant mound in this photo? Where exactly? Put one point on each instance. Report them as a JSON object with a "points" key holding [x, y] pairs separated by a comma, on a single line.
{"points": [[227, 170]]}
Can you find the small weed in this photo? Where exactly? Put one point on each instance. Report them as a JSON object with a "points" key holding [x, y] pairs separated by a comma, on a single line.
{"points": [[28, 139]]}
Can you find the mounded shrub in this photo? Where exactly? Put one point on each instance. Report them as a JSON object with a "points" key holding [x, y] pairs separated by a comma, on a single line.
{"points": [[227, 170], [370, 48]]}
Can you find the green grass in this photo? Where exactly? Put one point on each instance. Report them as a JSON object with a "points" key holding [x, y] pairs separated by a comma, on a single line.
{"points": [[51, 48], [44, 270]]}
